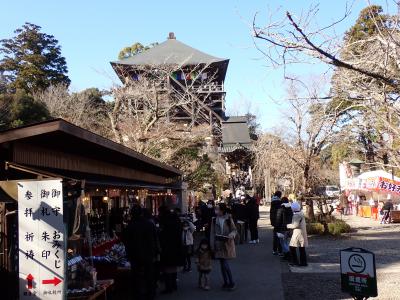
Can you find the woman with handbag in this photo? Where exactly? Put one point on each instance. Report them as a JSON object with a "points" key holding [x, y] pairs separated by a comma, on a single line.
{"points": [[222, 241]]}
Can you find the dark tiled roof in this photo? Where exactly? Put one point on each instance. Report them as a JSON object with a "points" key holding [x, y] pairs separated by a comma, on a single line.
{"points": [[236, 119], [232, 148], [171, 52], [235, 131]]}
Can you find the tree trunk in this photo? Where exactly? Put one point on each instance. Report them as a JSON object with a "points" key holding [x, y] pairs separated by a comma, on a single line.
{"points": [[114, 127], [309, 202]]}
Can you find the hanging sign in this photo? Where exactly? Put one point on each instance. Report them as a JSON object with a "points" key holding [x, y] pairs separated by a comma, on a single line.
{"points": [[389, 185], [358, 272], [41, 239]]}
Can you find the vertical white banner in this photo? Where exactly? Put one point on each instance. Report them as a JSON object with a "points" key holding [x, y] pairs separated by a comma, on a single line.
{"points": [[41, 239]]}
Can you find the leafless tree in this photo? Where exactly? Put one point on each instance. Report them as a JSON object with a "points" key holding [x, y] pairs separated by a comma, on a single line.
{"points": [[368, 78], [144, 110], [77, 108], [312, 124]]}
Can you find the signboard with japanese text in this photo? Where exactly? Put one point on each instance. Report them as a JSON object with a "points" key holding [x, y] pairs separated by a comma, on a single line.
{"points": [[358, 272], [41, 239]]}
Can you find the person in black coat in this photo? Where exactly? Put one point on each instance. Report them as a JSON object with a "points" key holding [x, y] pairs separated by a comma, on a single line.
{"points": [[140, 239], [207, 215], [241, 219], [275, 205], [253, 214], [283, 218], [172, 256]]}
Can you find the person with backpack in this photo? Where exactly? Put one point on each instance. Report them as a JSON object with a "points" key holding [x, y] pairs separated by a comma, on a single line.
{"points": [[299, 238], [284, 217], [275, 205]]}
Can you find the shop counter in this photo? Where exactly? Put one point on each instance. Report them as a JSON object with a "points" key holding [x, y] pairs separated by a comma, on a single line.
{"points": [[104, 287], [395, 216], [101, 248], [365, 211]]}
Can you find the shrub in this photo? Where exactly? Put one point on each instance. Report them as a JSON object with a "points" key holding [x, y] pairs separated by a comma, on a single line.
{"points": [[338, 227], [315, 228]]}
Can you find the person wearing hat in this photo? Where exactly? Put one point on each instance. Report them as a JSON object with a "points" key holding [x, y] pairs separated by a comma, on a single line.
{"points": [[299, 237]]}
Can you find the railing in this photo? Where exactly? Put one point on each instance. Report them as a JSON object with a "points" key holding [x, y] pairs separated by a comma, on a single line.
{"points": [[209, 88]]}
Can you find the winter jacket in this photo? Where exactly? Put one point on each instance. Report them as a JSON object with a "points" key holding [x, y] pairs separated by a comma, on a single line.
{"points": [[171, 241], [275, 205], [187, 234], [283, 218], [252, 209], [140, 239], [388, 206], [239, 212], [299, 236], [204, 262], [223, 248]]}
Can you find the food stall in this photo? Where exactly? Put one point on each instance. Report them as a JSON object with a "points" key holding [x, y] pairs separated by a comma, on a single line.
{"points": [[371, 189]]}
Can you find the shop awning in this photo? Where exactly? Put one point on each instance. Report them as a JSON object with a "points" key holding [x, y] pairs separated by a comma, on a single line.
{"points": [[91, 180], [64, 149], [378, 181], [133, 185]]}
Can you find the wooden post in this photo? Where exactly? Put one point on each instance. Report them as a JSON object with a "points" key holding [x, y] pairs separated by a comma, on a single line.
{"points": [[267, 183]]}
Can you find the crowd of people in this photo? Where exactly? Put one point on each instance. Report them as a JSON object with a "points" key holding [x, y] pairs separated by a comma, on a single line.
{"points": [[158, 247], [350, 205]]}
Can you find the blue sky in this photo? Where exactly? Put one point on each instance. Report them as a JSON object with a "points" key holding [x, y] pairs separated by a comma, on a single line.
{"points": [[91, 34]]}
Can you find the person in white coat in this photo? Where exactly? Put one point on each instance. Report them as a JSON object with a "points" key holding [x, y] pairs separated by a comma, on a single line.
{"points": [[299, 238]]}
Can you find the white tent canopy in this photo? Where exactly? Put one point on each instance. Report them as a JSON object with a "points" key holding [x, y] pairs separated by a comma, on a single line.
{"points": [[378, 173]]}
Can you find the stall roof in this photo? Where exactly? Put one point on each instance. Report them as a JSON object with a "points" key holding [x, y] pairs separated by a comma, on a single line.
{"points": [[378, 173], [61, 131]]}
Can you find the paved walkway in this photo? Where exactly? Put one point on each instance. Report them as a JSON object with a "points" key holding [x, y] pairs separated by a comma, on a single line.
{"points": [[324, 270], [256, 272]]}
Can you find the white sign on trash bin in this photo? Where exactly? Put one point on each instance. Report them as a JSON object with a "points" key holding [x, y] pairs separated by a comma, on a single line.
{"points": [[41, 239]]}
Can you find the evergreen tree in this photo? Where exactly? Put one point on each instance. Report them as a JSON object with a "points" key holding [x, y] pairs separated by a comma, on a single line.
{"points": [[348, 88], [20, 109], [136, 48], [32, 60]]}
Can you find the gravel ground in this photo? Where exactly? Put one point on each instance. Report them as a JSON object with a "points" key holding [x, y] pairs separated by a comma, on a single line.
{"points": [[383, 240]]}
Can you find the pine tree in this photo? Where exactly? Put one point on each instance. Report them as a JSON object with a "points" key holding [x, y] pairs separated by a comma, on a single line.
{"points": [[32, 60]]}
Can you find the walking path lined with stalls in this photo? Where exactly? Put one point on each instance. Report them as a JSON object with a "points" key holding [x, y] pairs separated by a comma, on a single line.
{"points": [[257, 273]]}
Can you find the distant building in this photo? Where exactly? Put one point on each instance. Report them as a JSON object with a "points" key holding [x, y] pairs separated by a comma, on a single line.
{"points": [[201, 76], [236, 150], [198, 74]]}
